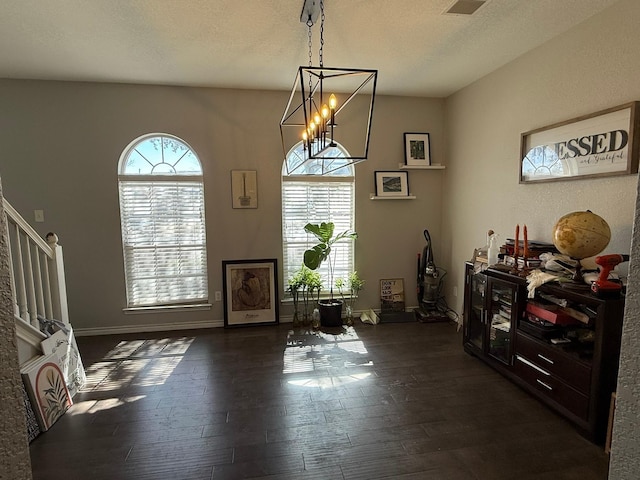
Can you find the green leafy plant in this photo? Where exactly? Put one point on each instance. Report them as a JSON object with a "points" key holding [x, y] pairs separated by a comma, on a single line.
{"points": [[317, 254], [307, 284], [349, 289]]}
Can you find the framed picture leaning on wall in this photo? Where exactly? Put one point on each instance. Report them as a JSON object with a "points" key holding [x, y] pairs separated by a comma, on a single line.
{"points": [[250, 292]]}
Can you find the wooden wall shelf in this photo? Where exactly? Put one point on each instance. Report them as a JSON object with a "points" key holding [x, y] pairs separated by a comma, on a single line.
{"points": [[402, 166], [404, 197]]}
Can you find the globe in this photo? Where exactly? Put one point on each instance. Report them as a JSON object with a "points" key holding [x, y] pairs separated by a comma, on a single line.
{"points": [[581, 234]]}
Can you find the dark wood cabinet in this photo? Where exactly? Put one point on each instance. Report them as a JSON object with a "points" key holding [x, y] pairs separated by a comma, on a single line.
{"points": [[575, 378]]}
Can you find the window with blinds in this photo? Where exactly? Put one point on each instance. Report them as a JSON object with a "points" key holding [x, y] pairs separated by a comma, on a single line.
{"points": [[163, 224], [309, 198]]}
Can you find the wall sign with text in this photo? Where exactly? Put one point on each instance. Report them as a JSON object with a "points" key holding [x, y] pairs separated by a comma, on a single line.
{"points": [[601, 144]]}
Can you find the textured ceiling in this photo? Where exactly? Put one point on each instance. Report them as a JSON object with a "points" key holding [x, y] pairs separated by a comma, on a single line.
{"points": [[260, 43]]}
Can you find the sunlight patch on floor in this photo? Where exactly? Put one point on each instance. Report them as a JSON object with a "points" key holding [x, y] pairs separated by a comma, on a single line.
{"points": [[320, 354]]}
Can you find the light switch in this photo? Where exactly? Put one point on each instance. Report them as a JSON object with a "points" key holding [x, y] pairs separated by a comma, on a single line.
{"points": [[39, 215], [218, 296]]}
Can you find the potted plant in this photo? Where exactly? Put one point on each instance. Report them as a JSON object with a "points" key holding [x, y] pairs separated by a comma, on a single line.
{"points": [[306, 284], [349, 289], [330, 309]]}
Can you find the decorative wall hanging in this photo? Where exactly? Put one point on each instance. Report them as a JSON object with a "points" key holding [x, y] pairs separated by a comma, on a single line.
{"points": [[250, 292], [417, 149], [244, 189], [391, 183], [601, 144]]}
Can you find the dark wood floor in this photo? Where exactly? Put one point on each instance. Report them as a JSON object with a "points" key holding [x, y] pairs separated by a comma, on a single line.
{"points": [[400, 401]]}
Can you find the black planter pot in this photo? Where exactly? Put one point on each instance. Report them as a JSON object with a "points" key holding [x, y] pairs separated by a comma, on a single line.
{"points": [[330, 313]]}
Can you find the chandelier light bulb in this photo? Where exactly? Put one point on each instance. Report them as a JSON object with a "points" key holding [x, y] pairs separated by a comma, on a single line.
{"points": [[316, 118], [333, 102], [325, 111]]}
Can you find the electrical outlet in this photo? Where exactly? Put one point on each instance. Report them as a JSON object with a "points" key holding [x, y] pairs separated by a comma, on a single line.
{"points": [[218, 296]]}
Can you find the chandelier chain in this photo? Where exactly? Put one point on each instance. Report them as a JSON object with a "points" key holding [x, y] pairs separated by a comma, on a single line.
{"points": [[321, 32], [309, 42]]}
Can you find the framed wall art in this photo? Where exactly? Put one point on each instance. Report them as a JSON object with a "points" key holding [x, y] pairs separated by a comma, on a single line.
{"points": [[417, 149], [250, 292], [391, 183], [604, 143], [244, 189]]}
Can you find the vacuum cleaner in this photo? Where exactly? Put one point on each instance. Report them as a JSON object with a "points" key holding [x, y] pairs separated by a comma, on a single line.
{"points": [[430, 281]]}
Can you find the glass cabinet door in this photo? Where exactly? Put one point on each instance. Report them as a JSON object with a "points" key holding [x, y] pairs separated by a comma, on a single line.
{"points": [[476, 327], [500, 311]]}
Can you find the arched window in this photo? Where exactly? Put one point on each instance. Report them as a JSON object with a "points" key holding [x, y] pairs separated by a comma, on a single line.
{"points": [[162, 220], [308, 197]]}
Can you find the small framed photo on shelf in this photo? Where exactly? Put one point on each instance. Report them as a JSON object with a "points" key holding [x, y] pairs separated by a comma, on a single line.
{"points": [[250, 292], [417, 149], [392, 183]]}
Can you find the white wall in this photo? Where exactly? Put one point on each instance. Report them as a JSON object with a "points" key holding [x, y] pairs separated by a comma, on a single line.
{"points": [[590, 68], [60, 148]]}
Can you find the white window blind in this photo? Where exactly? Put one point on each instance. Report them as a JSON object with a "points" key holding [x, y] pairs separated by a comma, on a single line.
{"points": [[163, 224], [316, 199]]}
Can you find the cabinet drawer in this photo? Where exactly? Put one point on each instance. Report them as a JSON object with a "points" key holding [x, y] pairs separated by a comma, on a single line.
{"points": [[552, 387], [556, 362]]}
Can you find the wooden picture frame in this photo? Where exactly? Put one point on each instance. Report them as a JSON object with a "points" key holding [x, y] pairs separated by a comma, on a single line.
{"points": [[250, 292], [391, 183], [601, 144], [244, 189], [417, 149]]}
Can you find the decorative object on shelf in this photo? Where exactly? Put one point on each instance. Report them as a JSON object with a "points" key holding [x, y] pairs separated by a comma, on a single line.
{"points": [[604, 143], [250, 293], [391, 183], [417, 149], [581, 235], [313, 108], [330, 309], [244, 189]]}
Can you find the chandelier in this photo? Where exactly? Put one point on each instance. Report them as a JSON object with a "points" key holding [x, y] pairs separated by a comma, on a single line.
{"points": [[328, 108]]}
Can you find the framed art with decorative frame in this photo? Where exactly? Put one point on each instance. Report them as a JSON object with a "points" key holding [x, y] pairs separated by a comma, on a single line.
{"points": [[417, 149], [250, 292], [604, 143], [392, 183]]}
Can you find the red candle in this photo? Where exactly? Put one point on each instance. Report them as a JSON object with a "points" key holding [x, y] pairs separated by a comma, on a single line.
{"points": [[526, 243], [516, 249]]}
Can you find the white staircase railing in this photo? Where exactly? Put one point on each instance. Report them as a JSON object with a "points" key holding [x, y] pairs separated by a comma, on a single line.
{"points": [[36, 272]]}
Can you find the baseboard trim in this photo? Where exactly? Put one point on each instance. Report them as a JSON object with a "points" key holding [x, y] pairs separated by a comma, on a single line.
{"points": [[122, 329]]}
